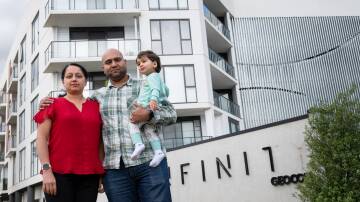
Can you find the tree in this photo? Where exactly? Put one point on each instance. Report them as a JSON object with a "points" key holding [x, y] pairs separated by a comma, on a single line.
{"points": [[333, 139]]}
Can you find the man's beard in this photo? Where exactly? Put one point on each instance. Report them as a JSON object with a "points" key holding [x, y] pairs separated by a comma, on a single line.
{"points": [[117, 76]]}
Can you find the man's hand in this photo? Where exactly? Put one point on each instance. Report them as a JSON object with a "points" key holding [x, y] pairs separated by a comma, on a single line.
{"points": [[153, 105], [140, 114], [49, 182], [45, 102]]}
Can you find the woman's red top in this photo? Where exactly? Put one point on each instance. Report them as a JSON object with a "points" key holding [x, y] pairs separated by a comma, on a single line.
{"points": [[74, 136]]}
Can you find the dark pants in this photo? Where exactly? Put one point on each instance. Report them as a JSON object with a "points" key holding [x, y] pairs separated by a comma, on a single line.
{"points": [[75, 188], [138, 183]]}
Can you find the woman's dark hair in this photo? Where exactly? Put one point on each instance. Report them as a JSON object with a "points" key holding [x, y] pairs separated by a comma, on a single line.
{"points": [[83, 70], [152, 56]]}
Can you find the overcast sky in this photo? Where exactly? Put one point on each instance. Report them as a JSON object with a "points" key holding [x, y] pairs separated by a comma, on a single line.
{"points": [[11, 12]]}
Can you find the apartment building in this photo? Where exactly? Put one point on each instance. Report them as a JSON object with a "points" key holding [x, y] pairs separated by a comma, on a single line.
{"points": [[192, 37]]}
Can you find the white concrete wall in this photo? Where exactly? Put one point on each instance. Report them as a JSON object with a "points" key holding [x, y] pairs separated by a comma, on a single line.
{"points": [[289, 154]]}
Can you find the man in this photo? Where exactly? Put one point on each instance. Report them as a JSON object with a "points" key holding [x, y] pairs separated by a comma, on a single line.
{"points": [[125, 179]]}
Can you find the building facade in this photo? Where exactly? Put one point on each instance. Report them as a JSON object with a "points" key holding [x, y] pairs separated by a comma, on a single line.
{"points": [[192, 38]]}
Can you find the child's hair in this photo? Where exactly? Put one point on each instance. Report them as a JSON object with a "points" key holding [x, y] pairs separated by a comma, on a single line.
{"points": [[152, 56]]}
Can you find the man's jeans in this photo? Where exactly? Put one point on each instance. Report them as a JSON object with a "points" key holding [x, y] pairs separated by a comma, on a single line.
{"points": [[138, 183]]}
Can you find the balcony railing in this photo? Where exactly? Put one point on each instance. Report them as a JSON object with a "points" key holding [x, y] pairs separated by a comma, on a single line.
{"points": [[14, 73], [2, 127], [221, 63], [226, 104], [85, 49], [171, 143], [2, 98], [89, 5], [216, 22]]}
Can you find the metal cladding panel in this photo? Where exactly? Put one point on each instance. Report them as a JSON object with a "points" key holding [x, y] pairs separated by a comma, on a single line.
{"points": [[288, 64]]}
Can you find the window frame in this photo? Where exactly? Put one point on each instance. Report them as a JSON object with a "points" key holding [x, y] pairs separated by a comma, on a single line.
{"points": [[185, 86], [177, 6], [181, 39]]}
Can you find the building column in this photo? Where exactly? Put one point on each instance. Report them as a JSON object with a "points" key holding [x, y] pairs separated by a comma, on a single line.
{"points": [[30, 194], [210, 122]]}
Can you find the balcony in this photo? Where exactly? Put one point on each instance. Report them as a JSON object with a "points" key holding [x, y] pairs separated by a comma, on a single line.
{"points": [[226, 105], [222, 72], [2, 104], [12, 112], [218, 34], [11, 146], [2, 128], [84, 13], [172, 143], [13, 79], [87, 53]]}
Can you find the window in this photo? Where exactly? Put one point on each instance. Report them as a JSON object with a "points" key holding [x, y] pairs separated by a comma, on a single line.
{"points": [[35, 33], [180, 79], [233, 126], [22, 93], [168, 4], [35, 73], [171, 37], [186, 130], [22, 165], [22, 126], [22, 54], [34, 108], [34, 160]]}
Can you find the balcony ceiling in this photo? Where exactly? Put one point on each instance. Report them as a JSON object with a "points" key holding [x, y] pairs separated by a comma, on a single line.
{"points": [[216, 40], [220, 79]]}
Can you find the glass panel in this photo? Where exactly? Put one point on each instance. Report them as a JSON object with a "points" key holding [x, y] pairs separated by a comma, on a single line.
{"points": [[183, 4], [191, 95], [131, 47], [188, 132], [189, 76], [110, 4], [168, 4], [186, 47], [175, 81], [156, 47], [185, 32], [171, 37], [155, 29], [82, 48], [153, 4], [129, 4]]}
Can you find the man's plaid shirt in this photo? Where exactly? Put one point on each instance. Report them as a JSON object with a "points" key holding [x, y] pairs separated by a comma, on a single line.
{"points": [[114, 108]]}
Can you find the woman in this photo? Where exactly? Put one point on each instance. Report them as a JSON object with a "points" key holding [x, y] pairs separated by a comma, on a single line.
{"points": [[69, 142]]}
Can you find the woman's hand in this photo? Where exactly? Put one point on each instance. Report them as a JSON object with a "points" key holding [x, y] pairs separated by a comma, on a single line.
{"points": [[101, 186], [49, 182]]}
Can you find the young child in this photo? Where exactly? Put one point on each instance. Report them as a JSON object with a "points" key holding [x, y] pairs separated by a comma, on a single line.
{"points": [[152, 93]]}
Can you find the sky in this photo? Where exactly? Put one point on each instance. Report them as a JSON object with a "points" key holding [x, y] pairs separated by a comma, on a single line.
{"points": [[11, 12]]}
